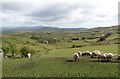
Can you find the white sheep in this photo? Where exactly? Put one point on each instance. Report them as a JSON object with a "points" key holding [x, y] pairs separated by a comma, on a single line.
{"points": [[109, 56], [76, 56], [96, 53], [29, 55], [102, 56], [114, 58]]}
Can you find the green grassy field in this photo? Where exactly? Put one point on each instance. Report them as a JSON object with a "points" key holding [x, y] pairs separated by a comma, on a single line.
{"points": [[58, 63], [56, 59]]}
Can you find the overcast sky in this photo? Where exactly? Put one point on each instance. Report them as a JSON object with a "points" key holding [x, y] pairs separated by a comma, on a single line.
{"points": [[59, 13]]}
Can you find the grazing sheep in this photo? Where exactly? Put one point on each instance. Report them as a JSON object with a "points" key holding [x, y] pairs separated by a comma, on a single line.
{"points": [[114, 58], [86, 53], [118, 57], [96, 53], [76, 57], [29, 55], [102, 56], [109, 56]]}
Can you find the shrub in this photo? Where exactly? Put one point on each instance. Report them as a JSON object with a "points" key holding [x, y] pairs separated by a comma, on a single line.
{"points": [[104, 37], [5, 49], [13, 49], [9, 49], [25, 50]]}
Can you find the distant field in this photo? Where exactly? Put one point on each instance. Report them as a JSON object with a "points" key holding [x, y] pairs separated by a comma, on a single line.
{"points": [[112, 36], [22, 41], [113, 48], [57, 63]]}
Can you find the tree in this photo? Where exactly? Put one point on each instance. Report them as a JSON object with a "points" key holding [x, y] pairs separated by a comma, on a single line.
{"points": [[13, 49], [104, 37], [24, 51], [5, 49]]}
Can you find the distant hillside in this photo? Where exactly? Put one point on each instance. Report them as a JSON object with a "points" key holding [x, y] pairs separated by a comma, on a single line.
{"points": [[56, 29], [38, 28], [105, 29]]}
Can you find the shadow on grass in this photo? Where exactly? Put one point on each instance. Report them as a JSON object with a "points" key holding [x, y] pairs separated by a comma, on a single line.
{"points": [[69, 61], [118, 61], [100, 61], [105, 61]]}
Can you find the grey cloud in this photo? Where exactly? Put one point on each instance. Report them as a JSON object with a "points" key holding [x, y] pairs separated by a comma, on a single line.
{"points": [[53, 12], [14, 6], [58, 11], [50, 19], [87, 8]]}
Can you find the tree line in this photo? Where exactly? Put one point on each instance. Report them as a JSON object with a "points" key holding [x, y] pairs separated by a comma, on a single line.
{"points": [[13, 51]]}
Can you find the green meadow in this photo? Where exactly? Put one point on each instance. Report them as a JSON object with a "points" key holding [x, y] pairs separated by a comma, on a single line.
{"points": [[53, 56]]}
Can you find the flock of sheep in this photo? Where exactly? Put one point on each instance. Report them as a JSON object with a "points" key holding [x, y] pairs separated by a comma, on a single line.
{"points": [[100, 55]]}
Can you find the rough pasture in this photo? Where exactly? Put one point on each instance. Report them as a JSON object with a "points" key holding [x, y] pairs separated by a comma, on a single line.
{"points": [[58, 63]]}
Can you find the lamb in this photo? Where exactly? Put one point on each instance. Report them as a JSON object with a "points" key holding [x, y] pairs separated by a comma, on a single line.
{"points": [[76, 57]]}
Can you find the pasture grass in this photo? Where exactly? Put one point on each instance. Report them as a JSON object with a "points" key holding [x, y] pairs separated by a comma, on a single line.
{"points": [[58, 67], [111, 48], [114, 35], [59, 63]]}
